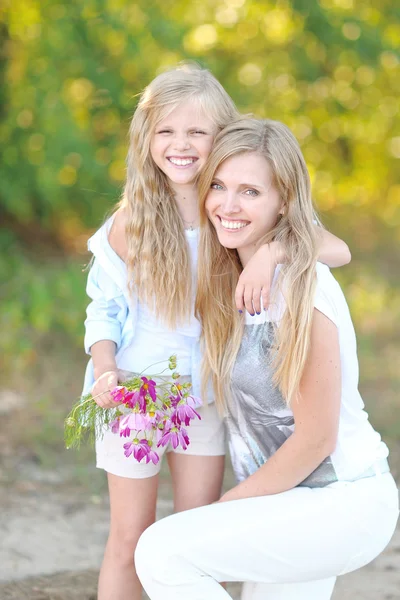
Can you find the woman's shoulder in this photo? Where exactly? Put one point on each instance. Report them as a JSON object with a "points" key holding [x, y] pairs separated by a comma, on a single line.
{"points": [[329, 297], [117, 233]]}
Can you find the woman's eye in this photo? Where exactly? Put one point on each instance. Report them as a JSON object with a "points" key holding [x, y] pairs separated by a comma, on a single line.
{"points": [[216, 186], [199, 132], [164, 131], [251, 192]]}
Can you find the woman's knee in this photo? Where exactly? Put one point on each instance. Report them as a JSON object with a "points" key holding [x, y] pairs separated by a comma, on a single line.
{"points": [[147, 550], [157, 554]]}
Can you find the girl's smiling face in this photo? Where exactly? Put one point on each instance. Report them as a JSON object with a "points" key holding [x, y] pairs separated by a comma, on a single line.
{"points": [[182, 142], [243, 203]]}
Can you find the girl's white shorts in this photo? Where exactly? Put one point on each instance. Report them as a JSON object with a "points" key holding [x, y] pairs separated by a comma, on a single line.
{"points": [[207, 438]]}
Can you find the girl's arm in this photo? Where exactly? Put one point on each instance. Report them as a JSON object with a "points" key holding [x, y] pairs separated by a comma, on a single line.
{"points": [[105, 372], [333, 251], [103, 331], [316, 416], [117, 235], [256, 278], [104, 312]]}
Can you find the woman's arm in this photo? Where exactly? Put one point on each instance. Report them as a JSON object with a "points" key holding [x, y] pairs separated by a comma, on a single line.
{"points": [[316, 416], [256, 279]]}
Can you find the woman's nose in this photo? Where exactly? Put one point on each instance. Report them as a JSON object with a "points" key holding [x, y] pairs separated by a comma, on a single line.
{"points": [[231, 203]]}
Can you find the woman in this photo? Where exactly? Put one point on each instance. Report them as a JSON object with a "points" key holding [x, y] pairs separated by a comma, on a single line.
{"points": [[315, 498], [142, 308]]}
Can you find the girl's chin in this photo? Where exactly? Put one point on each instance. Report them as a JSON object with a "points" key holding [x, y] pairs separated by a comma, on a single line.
{"points": [[182, 180]]}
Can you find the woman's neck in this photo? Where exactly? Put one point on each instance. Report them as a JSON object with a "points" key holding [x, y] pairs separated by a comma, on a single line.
{"points": [[246, 254]]}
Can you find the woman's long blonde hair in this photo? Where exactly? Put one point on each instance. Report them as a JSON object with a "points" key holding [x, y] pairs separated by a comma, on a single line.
{"points": [[219, 268], [158, 259]]}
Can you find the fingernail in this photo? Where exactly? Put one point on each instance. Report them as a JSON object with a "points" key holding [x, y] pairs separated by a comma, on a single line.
{"points": [[252, 314], [240, 311], [259, 313]]}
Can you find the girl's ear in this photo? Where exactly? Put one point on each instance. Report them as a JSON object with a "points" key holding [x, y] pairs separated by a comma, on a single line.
{"points": [[282, 209]]}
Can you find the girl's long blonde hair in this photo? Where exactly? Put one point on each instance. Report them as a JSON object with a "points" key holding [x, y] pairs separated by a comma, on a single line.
{"points": [[219, 268], [158, 259]]}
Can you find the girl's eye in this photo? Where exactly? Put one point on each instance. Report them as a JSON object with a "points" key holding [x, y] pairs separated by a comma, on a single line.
{"points": [[216, 186], [164, 131], [252, 192]]}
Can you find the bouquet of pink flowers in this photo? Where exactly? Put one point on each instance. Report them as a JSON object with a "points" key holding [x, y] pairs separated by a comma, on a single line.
{"points": [[155, 415]]}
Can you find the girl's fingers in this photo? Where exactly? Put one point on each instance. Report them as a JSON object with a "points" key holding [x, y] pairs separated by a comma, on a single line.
{"points": [[239, 296], [105, 404], [104, 400], [265, 297], [248, 301], [257, 299]]}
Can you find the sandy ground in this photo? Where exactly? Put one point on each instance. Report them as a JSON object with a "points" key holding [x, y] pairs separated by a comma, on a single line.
{"points": [[52, 538]]}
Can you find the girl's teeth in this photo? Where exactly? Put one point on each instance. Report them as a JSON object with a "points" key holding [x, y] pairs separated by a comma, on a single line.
{"points": [[181, 162], [233, 224]]}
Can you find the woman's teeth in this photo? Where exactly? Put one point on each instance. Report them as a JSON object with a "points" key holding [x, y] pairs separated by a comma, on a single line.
{"points": [[182, 162], [233, 224]]}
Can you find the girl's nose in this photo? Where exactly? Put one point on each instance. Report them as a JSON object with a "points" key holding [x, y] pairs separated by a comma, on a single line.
{"points": [[181, 142]]}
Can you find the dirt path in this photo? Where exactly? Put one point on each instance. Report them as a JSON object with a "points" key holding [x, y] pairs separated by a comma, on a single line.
{"points": [[52, 539]]}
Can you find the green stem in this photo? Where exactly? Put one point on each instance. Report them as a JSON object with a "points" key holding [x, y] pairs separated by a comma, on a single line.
{"points": [[156, 363]]}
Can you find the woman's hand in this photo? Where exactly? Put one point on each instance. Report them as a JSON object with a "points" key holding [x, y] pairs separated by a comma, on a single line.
{"points": [[102, 387], [256, 279]]}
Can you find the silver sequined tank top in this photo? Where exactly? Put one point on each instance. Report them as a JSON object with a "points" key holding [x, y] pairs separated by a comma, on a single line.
{"points": [[258, 420]]}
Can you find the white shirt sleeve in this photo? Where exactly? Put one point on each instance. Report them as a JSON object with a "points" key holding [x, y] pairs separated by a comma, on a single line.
{"points": [[106, 311], [325, 294]]}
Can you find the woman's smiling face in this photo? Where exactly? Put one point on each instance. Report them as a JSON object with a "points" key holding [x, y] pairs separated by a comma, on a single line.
{"points": [[243, 203]]}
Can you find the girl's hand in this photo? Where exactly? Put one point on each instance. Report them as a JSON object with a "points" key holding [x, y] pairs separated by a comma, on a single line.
{"points": [[102, 387], [256, 279]]}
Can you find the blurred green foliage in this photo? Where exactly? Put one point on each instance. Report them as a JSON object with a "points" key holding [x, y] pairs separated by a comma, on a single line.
{"points": [[69, 73]]}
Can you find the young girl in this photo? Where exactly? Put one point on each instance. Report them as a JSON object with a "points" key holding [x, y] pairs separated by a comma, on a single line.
{"points": [[142, 289], [314, 498]]}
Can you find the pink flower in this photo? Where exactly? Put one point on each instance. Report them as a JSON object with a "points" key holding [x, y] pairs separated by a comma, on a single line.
{"points": [[194, 401], [176, 436], [132, 399], [119, 393], [175, 400], [138, 448], [156, 417], [125, 432], [148, 387], [184, 414], [153, 457], [160, 430], [114, 425], [136, 421]]}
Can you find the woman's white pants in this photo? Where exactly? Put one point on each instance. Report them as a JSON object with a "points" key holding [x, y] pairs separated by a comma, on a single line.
{"points": [[288, 546]]}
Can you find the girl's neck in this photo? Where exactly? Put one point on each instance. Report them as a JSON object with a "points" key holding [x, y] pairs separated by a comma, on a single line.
{"points": [[187, 201]]}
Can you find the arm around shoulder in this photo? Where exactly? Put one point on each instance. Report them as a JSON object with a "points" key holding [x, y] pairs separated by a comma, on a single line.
{"points": [[333, 251]]}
